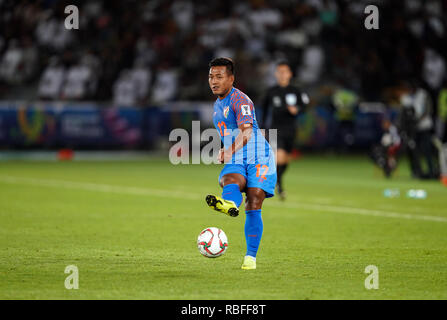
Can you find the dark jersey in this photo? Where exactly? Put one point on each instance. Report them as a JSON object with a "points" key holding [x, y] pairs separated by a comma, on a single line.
{"points": [[275, 105]]}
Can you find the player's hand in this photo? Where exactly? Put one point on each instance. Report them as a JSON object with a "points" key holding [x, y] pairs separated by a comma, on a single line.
{"points": [[224, 156], [293, 110]]}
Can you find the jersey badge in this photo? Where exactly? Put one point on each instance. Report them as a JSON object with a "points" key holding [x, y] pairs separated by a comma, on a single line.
{"points": [[225, 111], [245, 110]]}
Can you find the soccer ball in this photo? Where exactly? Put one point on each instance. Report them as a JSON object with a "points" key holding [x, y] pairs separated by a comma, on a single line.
{"points": [[212, 242]]}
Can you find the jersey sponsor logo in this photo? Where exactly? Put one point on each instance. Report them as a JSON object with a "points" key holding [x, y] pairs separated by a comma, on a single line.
{"points": [[291, 99], [245, 108], [225, 111]]}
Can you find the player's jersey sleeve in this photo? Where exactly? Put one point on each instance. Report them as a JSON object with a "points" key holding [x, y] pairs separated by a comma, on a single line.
{"points": [[243, 109]]}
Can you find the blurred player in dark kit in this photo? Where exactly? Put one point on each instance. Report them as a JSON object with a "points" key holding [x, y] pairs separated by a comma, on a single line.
{"points": [[281, 105], [416, 126], [440, 140]]}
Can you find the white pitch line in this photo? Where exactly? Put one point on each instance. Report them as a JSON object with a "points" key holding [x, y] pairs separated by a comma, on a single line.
{"points": [[106, 188], [358, 211]]}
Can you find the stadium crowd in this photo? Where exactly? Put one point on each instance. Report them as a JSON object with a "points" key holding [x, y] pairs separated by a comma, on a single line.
{"points": [[141, 52]]}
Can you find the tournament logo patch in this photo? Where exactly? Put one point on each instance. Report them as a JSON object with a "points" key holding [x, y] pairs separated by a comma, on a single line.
{"points": [[245, 110], [225, 111]]}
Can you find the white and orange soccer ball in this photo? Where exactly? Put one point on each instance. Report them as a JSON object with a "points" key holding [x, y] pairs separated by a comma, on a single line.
{"points": [[212, 242]]}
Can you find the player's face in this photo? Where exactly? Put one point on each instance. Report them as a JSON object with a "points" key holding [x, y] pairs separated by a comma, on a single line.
{"points": [[220, 81], [283, 75]]}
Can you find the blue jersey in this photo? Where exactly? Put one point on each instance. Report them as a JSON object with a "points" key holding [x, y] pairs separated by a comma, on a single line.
{"points": [[231, 112]]}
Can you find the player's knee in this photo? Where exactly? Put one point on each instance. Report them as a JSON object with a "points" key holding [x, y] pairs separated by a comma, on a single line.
{"points": [[254, 200], [255, 203], [232, 179]]}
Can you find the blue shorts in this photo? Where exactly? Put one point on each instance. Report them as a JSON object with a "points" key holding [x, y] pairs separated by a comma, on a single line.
{"points": [[258, 175]]}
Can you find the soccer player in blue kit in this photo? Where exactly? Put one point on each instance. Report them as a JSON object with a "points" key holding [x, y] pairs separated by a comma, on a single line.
{"points": [[249, 160]]}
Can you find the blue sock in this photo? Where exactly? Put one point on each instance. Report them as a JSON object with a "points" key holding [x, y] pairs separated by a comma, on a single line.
{"points": [[253, 231], [232, 192]]}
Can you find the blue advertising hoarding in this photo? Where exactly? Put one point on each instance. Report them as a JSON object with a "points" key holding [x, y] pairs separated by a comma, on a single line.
{"points": [[91, 126]]}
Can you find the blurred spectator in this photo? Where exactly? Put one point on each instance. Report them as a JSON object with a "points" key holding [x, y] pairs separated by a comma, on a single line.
{"points": [[263, 17], [441, 132], [50, 83], [323, 39], [433, 72], [132, 87], [80, 82], [312, 65], [441, 128], [125, 92], [433, 69], [345, 101], [19, 61], [183, 13], [30, 57], [51, 33], [142, 77], [165, 86], [10, 64]]}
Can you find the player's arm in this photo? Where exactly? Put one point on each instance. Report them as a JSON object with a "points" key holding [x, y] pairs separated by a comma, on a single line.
{"points": [[245, 132], [243, 110], [293, 110]]}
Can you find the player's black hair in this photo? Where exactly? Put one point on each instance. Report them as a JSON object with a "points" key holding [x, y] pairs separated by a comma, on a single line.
{"points": [[226, 62], [283, 63]]}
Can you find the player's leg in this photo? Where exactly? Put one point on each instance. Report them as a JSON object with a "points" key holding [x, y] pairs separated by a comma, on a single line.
{"points": [[261, 181], [282, 159], [253, 225], [285, 143], [233, 184]]}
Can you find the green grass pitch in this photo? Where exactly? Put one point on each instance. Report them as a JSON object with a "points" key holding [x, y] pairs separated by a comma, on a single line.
{"points": [[131, 228]]}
